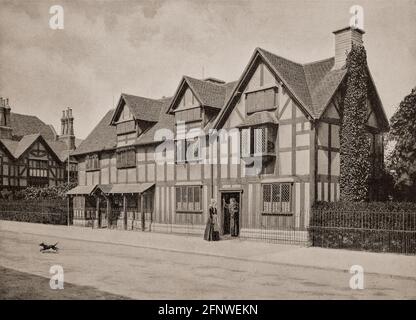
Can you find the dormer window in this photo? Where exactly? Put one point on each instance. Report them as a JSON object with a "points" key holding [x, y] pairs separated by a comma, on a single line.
{"points": [[92, 162]]}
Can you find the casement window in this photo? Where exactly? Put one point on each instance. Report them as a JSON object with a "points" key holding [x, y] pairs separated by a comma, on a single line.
{"points": [[261, 100], [188, 198], [258, 141], [126, 158], [277, 198], [38, 168], [245, 142], [188, 150], [92, 162]]}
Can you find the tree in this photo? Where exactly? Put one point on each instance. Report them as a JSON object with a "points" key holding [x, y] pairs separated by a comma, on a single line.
{"points": [[402, 159], [354, 145]]}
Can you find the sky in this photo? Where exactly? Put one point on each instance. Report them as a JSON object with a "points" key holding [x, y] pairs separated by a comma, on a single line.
{"points": [[145, 47]]}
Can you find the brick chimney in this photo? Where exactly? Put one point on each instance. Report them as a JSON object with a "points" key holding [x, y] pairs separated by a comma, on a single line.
{"points": [[344, 38], [67, 129], [5, 122]]}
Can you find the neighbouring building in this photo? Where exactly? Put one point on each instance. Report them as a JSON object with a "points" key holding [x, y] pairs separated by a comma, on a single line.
{"points": [[32, 153], [271, 140]]}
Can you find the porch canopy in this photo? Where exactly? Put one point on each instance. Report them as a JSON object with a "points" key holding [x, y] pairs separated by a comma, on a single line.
{"points": [[85, 190], [121, 188]]}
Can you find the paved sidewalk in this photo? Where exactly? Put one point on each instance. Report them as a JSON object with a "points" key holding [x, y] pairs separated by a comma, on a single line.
{"points": [[331, 259]]}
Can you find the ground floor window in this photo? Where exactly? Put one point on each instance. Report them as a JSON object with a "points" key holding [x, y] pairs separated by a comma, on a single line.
{"points": [[277, 198], [188, 198]]}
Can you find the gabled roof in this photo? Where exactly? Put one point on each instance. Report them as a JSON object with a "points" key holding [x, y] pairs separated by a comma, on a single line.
{"points": [[23, 125], [166, 121], [312, 85], [142, 108], [208, 93], [18, 148], [102, 137]]}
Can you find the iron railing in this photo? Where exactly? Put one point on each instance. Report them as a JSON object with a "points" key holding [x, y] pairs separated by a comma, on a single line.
{"points": [[378, 231]]}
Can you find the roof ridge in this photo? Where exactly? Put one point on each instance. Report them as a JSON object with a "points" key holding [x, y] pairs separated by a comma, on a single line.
{"points": [[269, 52], [318, 61]]}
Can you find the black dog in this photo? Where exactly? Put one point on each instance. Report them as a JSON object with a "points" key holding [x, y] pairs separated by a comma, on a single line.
{"points": [[46, 247]]}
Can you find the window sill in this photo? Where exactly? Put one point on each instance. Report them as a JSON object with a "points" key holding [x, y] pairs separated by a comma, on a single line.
{"points": [[259, 155], [277, 213], [189, 211], [126, 167], [95, 169]]}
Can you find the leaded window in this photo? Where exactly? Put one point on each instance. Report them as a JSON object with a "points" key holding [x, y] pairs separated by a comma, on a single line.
{"points": [[188, 198], [277, 198]]}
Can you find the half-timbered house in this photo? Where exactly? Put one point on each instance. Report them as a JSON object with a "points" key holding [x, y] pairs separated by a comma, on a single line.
{"points": [[32, 153], [270, 140]]}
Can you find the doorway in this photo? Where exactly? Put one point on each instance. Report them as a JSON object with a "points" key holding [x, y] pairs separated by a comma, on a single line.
{"points": [[230, 225]]}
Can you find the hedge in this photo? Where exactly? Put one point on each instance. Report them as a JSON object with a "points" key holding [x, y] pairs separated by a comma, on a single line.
{"points": [[35, 211], [373, 226]]}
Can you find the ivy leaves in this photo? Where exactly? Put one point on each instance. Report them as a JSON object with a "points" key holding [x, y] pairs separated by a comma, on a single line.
{"points": [[354, 143]]}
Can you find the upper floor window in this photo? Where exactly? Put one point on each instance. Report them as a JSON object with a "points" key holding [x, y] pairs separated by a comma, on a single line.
{"points": [[38, 168], [258, 141], [126, 158], [277, 198], [92, 162], [261, 100], [188, 150]]}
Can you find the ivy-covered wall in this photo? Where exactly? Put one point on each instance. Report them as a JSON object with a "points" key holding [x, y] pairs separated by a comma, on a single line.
{"points": [[354, 144]]}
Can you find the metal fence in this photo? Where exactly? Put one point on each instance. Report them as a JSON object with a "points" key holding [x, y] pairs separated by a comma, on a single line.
{"points": [[371, 230]]}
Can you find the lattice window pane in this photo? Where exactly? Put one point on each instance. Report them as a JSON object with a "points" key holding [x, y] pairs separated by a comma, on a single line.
{"points": [[197, 198], [259, 140], [190, 198], [245, 142], [285, 197], [178, 199], [267, 205], [276, 197], [184, 198]]}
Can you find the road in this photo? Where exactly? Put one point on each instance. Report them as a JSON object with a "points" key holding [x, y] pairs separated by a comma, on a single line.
{"points": [[105, 270]]}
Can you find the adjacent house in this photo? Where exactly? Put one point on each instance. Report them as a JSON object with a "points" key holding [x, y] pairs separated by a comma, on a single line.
{"points": [[270, 140], [32, 153]]}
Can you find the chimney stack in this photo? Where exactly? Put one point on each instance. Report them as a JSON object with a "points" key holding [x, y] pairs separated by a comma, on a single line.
{"points": [[67, 129], [344, 38], [5, 122]]}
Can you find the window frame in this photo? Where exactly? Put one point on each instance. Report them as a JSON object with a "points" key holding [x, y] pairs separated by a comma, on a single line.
{"points": [[182, 193], [279, 204], [122, 158]]}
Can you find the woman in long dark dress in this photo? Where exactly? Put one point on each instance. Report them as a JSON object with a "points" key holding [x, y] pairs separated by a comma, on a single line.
{"points": [[212, 230]]}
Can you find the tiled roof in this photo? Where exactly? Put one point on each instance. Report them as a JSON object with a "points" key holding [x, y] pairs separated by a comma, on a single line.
{"points": [[17, 148], [259, 118], [143, 108], [23, 125], [313, 83], [210, 94], [60, 148], [166, 121], [25, 143], [102, 137]]}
